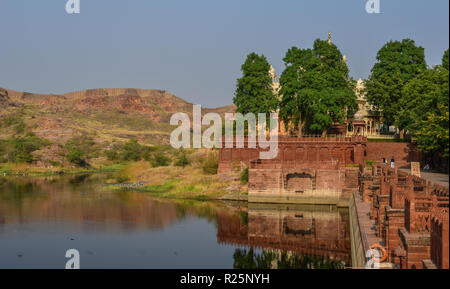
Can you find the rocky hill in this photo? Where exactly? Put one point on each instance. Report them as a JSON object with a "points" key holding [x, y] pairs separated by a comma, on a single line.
{"points": [[109, 114]]}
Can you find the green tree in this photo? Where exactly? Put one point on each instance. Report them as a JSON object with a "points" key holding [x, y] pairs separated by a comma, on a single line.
{"points": [[75, 156], [315, 88], [445, 60], [421, 96], [430, 123], [244, 176], [254, 89], [86, 144], [397, 63], [433, 135], [132, 151], [22, 148]]}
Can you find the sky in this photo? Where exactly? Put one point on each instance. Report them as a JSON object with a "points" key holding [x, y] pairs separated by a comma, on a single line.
{"points": [[195, 48]]}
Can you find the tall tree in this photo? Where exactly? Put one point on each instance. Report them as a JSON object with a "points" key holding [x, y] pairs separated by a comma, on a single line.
{"points": [[425, 109], [421, 96], [254, 89], [315, 88], [433, 135], [397, 63], [445, 60]]}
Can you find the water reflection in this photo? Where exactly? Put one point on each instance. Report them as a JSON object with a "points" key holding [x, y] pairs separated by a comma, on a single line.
{"points": [[40, 218], [289, 236]]}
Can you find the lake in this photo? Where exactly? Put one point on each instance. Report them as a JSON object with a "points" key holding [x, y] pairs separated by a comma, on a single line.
{"points": [[43, 217]]}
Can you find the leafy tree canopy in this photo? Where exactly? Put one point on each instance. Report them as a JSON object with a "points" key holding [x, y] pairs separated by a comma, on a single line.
{"points": [[315, 88], [254, 89], [445, 60], [397, 63], [425, 109], [421, 96], [433, 135]]}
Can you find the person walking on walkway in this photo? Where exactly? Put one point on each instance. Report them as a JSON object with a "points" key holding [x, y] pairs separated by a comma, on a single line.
{"points": [[392, 162]]}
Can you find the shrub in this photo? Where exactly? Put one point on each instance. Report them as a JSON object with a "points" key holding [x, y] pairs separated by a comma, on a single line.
{"points": [[370, 163], [160, 160], [210, 164], [21, 148], [132, 151], [86, 145], [352, 166], [112, 155], [75, 156], [244, 176], [122, 179], [3, 150], [12, 120], [182, 160]]}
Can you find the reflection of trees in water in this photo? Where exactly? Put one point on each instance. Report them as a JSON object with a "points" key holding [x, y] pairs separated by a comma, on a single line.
{"points": [[18, 191], [84, 198], [243, 215], [268, 259], [79, 179], [205, 210]]}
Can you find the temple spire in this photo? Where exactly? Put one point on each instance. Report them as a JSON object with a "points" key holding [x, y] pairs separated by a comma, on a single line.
{"points": [[329, 37]]}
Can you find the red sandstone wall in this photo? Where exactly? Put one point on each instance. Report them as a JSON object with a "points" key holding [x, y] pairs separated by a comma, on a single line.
{"points": [[307, 152], [403, 153], [330, 180], [268, 180]]}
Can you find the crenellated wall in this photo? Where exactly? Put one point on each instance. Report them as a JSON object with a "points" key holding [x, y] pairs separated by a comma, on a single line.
{"points": [[409, 214]]}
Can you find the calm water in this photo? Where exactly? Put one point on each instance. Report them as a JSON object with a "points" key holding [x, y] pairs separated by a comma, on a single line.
{"points": [[41, 218]]}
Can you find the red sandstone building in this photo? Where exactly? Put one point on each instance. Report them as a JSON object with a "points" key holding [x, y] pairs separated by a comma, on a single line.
{"points": [[321, 169], [411, 214]]}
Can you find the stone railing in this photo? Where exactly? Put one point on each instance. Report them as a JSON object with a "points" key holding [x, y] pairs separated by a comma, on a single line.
{"points": [[303, 139], [417, 214], [439, 237], [405, 208]]}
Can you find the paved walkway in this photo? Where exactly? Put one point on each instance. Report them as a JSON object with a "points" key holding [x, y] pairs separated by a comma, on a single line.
{"points": [[440, 179], [366, 225]]}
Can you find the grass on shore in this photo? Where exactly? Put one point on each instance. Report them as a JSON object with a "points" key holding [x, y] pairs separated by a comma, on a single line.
{"points": [[26, 169], [175, 182]]}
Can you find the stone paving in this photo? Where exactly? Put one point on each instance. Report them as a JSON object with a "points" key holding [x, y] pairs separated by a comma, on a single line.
{"points": [[437, 178], [367, 226]]}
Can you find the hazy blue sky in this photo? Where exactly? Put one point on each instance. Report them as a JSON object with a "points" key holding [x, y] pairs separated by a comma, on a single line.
{"points": [[194, 48]]}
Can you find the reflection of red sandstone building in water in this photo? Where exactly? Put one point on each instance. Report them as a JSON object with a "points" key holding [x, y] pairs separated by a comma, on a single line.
{"points": [[232, 227], [307, 230]]}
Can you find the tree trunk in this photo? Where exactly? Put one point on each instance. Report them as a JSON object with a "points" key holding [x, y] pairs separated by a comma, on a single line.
{"points": [[402, 134], [301, 125], [324, 133]]}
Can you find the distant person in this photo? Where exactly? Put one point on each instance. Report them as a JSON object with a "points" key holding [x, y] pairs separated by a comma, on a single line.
{"points": [[384, 161], [392, 162]]}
